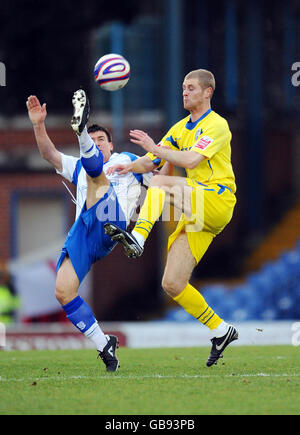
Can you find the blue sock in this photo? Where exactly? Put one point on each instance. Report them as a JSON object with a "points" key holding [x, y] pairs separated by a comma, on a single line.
{"points": [[92, 161], [80, 314]]}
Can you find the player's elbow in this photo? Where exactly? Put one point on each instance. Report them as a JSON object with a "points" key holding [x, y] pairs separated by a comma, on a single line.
{"points": [[142, 165], [52, 157], [193, 160], [45, 155], [148, 165], [192, 163]]}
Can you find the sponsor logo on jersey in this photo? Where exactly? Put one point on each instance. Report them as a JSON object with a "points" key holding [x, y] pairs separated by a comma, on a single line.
{"points": [[204, 142]]}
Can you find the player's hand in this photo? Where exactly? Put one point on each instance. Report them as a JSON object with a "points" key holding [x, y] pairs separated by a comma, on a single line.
{"points": [[121, 169], [167, 169], [37, 113], [141, 138]]}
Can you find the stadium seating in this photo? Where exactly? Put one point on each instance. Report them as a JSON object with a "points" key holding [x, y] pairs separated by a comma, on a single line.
{"points": [[271, 293]]}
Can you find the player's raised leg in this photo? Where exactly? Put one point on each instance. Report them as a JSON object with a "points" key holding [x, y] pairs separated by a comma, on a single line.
{"points": [[151, 210], [81, 111], [91, 156], [162, 189], [80, 314]]}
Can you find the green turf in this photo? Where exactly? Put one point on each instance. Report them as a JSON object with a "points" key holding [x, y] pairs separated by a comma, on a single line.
{"points": [[249, 380]]}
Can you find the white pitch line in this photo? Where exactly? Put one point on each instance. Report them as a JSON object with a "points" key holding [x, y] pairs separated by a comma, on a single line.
{"points": [[158, 376]]}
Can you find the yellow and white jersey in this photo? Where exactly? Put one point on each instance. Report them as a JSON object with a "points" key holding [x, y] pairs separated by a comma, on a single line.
{"points": [[209, 136]]}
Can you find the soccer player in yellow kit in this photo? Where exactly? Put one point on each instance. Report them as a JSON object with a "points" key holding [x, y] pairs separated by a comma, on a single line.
{"points": [[200, 143]]}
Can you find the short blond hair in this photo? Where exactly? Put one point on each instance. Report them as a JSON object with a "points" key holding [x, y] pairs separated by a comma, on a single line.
{"points": [[206, 78]]}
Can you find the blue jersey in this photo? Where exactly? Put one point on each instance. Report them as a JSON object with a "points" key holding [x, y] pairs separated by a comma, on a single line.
{"points": [[127, 187], [87, 242]]}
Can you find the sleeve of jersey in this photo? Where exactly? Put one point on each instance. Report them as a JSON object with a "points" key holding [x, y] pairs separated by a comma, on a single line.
{"points": [[157, 161], [212, 141], [70, 168]]}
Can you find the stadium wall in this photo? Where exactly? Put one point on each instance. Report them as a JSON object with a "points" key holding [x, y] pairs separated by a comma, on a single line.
{"points": [[148, 335]]}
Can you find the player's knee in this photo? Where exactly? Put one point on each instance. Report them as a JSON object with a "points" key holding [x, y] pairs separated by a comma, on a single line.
{"points": [[63, 295], [170, 286], [93, 165], [60, 294]]}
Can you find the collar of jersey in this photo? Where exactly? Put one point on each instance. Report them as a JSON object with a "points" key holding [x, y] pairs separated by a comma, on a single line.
{"points": [[113, 156], [191, 125]]}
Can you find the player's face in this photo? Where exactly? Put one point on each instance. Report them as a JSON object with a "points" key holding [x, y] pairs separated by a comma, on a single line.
{"points": [[102, 142], [193, 94]]}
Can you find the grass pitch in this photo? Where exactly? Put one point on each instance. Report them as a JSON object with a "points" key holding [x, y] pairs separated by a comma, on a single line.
{"points": [[249, 380]]}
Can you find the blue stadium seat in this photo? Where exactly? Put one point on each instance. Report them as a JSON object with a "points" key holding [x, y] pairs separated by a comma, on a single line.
{"points": [[269, 314], [271, 293], [178, 315], [215, 296]]}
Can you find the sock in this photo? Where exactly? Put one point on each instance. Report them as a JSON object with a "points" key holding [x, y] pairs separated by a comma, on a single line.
{"points": [[92, 161], [97, 336], [85, 141], [194, 303], [81, 315], [150, 212], [91, 156], [220, 330], [140, 239]]}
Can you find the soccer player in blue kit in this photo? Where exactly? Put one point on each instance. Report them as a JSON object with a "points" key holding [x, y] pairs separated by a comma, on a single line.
{"points": [[100, 197]]}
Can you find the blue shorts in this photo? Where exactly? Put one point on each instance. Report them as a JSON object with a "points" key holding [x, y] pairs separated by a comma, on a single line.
{"points": [[87, 242]]}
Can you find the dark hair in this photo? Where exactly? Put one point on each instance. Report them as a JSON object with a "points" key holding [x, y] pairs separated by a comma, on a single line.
{"points": [[95, 127]]}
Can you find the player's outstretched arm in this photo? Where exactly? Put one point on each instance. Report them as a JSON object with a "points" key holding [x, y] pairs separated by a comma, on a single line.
{"points": [[37, 114], [139, 166], [184, 159], [167, 169]]}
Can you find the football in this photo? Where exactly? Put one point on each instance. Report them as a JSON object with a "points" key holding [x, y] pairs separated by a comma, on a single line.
{"points": [[112, 72]]}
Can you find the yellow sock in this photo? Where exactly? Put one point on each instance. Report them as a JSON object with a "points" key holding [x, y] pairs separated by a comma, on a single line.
{"points": [[150, 211], [194, 303]]}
